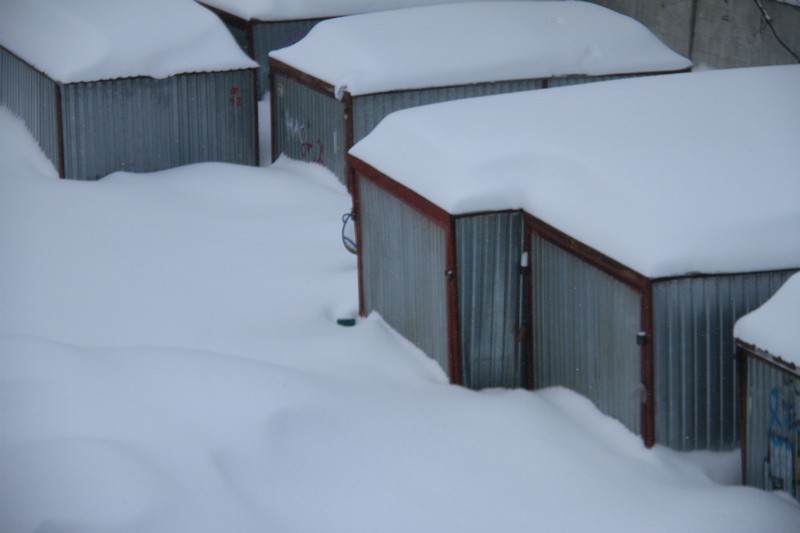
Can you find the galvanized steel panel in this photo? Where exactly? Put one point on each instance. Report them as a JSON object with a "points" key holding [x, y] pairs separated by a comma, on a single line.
{"points": [[403, 257], [32, 96], [370, 109], [585, 326], [772, 451], [488, 251], [269, 36], [308, 125], [694, 367], [146, 124]]}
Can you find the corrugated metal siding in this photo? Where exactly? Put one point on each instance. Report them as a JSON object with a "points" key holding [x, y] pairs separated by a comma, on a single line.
{"points": [[370, 109], [694, 365], [145, 124], [403, 255], [488, 251], [772, 451], [585, 324], [269, 36], [31, 95], [564, 81], [308, 125]]}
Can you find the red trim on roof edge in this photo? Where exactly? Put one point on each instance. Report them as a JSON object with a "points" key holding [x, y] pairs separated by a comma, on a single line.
{"points": [[588, 254], [316, 84], [413, 199]]}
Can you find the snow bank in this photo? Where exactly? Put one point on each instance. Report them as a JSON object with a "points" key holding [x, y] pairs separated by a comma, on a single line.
{"points": [[668, 175], [775, 326], [476, 42], [89, 40], [268, 10], [170, 361]]}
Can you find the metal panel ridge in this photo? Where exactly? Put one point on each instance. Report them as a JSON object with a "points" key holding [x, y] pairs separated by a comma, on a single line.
{"points": [[490, 283], [585, 330], [771, 448], [33, 97], [404, 267], [307, 124], [143, 124], [695, 371]]}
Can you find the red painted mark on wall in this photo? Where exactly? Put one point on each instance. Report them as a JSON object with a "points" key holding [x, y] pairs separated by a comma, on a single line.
{"points": [[310, 150], [235, 98]]}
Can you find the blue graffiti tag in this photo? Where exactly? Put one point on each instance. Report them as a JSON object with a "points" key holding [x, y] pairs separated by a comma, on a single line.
{"points": [[784, 434]]}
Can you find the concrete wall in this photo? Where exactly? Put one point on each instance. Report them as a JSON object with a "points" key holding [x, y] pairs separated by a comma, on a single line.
{"points": [[719, 33]]}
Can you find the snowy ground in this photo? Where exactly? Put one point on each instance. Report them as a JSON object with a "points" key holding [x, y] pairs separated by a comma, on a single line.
{"points": [[170, 361]]}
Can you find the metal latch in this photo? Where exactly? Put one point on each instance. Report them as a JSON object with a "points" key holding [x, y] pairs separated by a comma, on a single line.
{"points": [[641, 338]]}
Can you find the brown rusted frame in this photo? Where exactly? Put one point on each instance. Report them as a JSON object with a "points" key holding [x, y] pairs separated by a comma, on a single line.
{"points": [[359, 169], [298, 75], [630, 277], [741, 405], [768, 358]]}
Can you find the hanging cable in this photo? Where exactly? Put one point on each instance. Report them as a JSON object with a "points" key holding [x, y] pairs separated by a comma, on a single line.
{"points": [[349, 244], [768, 19]]}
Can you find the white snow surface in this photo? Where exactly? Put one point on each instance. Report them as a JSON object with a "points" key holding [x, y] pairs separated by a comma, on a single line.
{"points": [[456, 44], [90, 40], [668, 175], [275, 10], [169, 361], [775, 326]]}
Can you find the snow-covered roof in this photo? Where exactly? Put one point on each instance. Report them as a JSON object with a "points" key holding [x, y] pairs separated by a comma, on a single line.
{"points": [[775, 326], [275, 10], [476, 42], [89, 40], [669, 175]]}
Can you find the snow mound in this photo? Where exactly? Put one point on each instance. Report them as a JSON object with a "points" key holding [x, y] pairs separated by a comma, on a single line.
{"points": [[458, 44], [90, 40]]}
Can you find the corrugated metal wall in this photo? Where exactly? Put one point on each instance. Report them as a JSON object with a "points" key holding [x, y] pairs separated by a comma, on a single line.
{"points": [[488, 251], [585, 324], [31, 95], [772, 452], [308, 125], [145, 124], [403, 255], [580, 80], [694, 364], [269, 36], [370, 109]]}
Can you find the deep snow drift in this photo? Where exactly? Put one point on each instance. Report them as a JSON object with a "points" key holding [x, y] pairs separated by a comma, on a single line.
{"points": [[170, 361]]}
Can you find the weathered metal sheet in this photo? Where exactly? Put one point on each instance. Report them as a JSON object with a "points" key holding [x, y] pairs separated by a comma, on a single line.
{"points": [[585, 326], [370, 109], [32, 96], [772, 447], [308, 125], [403, 257], [694, 366], [146, 124], [269, 36], [488, 251]]}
